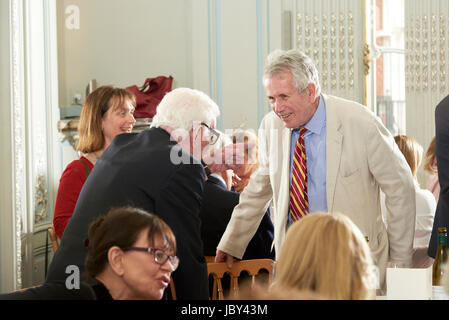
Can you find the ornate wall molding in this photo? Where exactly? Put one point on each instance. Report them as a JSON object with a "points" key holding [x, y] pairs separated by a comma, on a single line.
{"points": [[40, 199], [18, 118], [30, 107], [366, 59]]}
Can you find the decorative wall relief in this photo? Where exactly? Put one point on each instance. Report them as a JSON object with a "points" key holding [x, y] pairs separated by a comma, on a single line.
{"points": [[40, 199], [426, 57], [325, 31], [426, 53]]}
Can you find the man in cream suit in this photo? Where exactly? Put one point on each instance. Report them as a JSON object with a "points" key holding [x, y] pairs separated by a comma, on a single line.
{"points": [[350, 155]]}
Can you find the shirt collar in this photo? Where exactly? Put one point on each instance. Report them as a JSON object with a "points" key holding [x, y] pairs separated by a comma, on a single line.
{"points": [[318, 120]]}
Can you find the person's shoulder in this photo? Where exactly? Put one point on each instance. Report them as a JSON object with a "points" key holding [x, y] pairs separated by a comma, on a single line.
{"points": [[443, 104], [425, 195], [425, 202], [346, 105], [214, 183], [271, 120], [76, 167], [350, 114], [214, 191]]}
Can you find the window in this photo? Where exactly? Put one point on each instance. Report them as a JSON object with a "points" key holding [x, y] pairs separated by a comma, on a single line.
{"points": [[389, 76]]}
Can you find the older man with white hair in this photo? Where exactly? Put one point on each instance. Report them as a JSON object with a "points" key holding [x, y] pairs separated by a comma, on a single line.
{"points": [[159, 170]]}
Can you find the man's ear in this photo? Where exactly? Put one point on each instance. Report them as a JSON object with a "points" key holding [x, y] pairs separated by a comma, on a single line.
{"points": [[115, 259], [310, 92]]}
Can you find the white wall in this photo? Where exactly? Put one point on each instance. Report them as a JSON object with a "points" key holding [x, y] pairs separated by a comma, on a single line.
{"points": [[123, 42], [212, 45]]}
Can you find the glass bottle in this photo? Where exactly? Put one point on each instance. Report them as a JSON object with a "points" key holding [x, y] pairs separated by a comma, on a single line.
{"points": [[441, 257]]}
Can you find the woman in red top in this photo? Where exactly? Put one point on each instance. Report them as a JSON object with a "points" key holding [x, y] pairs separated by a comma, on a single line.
{"points": [[107, 112]]}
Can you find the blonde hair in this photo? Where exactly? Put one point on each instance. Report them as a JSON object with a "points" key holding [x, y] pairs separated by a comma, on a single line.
{"points": [[258, 292], [429, 161], [412, 152], [251, 153], [97, 103], [326, 254]]}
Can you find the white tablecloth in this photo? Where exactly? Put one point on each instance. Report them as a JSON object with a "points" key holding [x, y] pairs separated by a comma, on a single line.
{"points": [[438, 293]]}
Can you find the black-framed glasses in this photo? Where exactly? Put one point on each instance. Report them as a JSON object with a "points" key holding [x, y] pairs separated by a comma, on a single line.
{"points": [[160, 257], [214, 134]]}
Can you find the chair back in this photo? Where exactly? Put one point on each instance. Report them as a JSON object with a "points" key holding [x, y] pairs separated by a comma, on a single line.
{"points": [[252, 267], [53, 238], [51, 233], [172, 289], [170, 294]]}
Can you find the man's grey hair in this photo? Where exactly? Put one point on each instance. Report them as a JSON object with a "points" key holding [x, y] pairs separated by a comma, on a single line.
{"points": [[300, 65], [181, 108]]}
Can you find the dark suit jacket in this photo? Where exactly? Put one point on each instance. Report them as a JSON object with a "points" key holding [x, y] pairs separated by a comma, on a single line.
{"points": [[56, 290], [442, 152], [143, 170], [218, 204]]}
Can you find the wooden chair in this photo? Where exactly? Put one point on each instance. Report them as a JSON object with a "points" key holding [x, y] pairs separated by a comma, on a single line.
{"points": [[53, 238], [170, 295], [252, 267], [172, 289], [54, 243]]}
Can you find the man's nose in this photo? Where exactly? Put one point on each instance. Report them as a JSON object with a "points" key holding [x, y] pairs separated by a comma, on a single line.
{"points": [[131, 119], [277, 106]]}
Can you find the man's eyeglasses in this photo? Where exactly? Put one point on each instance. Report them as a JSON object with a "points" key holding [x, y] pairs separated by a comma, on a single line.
{"points": [[214, 134], [160, 257]]}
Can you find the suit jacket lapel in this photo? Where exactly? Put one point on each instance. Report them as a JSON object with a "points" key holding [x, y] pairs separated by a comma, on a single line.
{"points": [[334, 139], [284, 192]]}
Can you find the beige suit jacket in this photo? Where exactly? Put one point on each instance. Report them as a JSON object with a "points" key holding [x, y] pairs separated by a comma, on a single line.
{"points": [[361, 157]]}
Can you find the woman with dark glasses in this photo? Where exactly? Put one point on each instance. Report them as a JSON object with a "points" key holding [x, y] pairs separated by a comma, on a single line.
{"points": [[131, 255]]}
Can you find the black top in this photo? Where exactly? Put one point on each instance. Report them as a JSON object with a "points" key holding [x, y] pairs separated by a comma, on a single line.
{"points": [[216, 211], [442, 153], [55, 290], [150, 171], [101, 292]]}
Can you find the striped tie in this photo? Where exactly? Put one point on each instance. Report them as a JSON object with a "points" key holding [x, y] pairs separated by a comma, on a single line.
{"points": [[299, 202]]}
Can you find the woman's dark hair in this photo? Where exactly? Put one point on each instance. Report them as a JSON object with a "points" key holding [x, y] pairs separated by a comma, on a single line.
{"points": [[121, 227]]}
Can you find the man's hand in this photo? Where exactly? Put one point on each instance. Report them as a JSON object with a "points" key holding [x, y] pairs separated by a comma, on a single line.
{"points": [[231, 156], [221, 256]]}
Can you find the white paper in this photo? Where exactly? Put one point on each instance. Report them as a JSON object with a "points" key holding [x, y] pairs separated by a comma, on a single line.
{"points": [[409, 284]]}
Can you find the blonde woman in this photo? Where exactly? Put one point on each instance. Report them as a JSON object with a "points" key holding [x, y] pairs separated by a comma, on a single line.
{"points": [[430, 166], [425, 202], [251, 162], [327, 255]]}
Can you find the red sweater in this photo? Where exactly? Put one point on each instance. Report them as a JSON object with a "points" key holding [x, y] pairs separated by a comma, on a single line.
{"points": [[70, 184]]}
